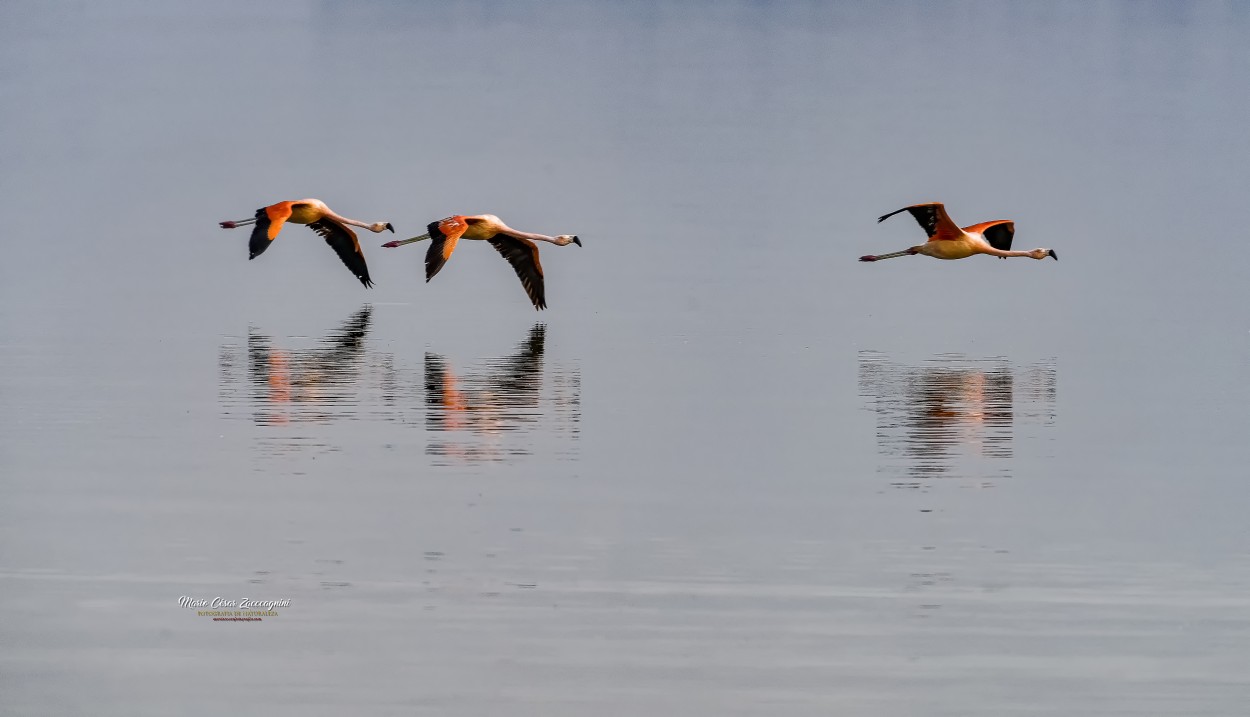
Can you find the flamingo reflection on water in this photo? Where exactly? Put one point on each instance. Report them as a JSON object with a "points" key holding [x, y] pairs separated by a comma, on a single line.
{"points": [[516, 246], [509, 390], [487, 405], [948, 241], [954, 412], [319, 218], [301, 385]]}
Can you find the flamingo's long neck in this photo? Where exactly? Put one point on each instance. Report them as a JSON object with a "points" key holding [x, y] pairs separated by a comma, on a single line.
{"points": [[509, 231], [345, 220], [1004, 254]]}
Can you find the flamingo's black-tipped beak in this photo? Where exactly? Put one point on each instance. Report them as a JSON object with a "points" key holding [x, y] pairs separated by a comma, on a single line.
{"points": [[576, 240], [228, 225], [390, 228], [1053, 255]]}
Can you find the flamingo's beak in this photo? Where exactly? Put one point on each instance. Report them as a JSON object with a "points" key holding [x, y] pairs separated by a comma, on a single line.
{"points": [[576, 240], [390, 228], [1053, 255]]}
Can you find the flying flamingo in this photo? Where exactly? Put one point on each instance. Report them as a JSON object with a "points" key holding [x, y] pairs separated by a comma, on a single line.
{"points": [[319, 218], [516, 246], [948, 241]]}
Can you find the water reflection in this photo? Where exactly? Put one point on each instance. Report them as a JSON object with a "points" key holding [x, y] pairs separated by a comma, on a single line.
{"points": [[953, 416], [293, 392], [492, 413], [505, 407], [288, 386]]}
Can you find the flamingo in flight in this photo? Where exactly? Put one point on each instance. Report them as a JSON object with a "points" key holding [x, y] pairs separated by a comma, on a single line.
{"points": [[517, 247], [948, 241], [319, 218]]}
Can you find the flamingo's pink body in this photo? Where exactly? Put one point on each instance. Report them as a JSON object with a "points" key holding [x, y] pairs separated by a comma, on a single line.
{"points": [[516, 246], [948, 241]]}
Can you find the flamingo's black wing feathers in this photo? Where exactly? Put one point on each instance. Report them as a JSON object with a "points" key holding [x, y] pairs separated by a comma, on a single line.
{"points": [[269, 221], [260, 236], [999, 235], [444, 235], [931, 217], [344, 243], [522, 254]]}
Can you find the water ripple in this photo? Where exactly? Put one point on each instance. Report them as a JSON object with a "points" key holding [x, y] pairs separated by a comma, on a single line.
{"points": [[496, 410], [488, 413], [954, 416]]}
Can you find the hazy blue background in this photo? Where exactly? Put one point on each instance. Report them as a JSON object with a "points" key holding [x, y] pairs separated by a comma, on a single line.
{"points": [[730, 470]]}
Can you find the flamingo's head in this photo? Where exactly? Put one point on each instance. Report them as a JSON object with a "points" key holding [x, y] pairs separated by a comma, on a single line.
{"points": [[566, 239], [378, 227], [1043, 253]]}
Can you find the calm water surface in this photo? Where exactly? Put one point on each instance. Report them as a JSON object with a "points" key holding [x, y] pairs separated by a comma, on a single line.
{"points": [[730, 470]]}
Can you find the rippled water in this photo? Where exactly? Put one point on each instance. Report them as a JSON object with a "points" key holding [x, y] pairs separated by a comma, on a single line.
{"points": [[486, 411], [955, 416], [730, 470]]}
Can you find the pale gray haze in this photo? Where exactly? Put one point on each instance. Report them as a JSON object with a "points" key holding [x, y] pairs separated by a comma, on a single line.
{"points": [[730, 470]]}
